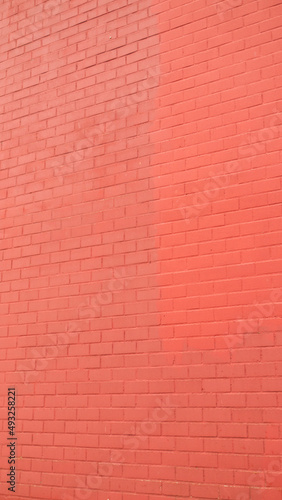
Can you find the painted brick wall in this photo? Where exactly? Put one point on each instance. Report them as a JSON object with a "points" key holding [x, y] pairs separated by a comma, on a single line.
{"points": [[141, 248]]}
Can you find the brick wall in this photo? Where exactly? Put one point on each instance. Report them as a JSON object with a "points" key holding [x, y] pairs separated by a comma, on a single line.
{"points": [[140, 248]]}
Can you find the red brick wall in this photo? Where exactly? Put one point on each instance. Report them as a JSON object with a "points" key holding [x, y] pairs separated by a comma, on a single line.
{"points": [[141, 248]]}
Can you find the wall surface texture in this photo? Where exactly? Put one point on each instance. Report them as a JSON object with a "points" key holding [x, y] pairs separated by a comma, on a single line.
{"points": [[140, 248]]}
